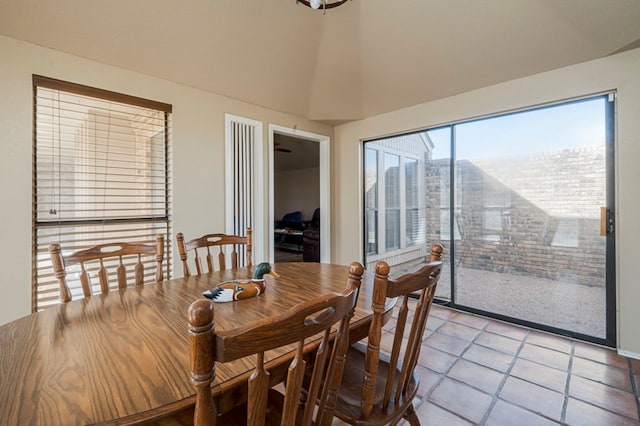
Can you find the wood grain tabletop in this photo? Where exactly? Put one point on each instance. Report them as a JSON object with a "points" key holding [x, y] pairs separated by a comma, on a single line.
{"points": [[123, 357]]}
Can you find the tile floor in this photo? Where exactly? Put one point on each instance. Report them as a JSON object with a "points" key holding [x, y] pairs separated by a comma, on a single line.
{"points": [[478, 371]]}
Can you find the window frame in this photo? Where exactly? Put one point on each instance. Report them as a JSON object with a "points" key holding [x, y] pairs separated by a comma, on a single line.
{"points": [[156, 211]]}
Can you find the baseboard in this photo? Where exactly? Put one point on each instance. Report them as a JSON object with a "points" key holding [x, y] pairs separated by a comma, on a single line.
{"points": [[629, 354]]}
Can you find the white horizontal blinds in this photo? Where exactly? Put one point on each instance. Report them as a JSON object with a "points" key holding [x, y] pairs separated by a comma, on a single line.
{"points": [[243, 138], [101, 174]]}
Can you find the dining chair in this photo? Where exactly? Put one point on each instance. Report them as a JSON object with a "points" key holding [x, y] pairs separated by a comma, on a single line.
{"points": [[326, 316], [378, 388], [126, 259], [225, 246]]}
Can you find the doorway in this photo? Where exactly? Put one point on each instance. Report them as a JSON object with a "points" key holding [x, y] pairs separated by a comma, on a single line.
{"points": [[298, 192]]}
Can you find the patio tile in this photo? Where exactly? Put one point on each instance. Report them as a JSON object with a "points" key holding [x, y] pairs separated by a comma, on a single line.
{"points": [[428, 380], [612, 376], [431, 414], [470, 320], [441, 312], [550, 341], [600, 354], [435, 360], [386, 341], [488, 358], [475, 375], [502, 374], [607, 397], [433, 322], [497, 342], [533, 397], [545, 356], [541, 375], [508, 330], [463, 400], [446, 343], [582, 414], [459, 331], [390, 326], [504, 414]]}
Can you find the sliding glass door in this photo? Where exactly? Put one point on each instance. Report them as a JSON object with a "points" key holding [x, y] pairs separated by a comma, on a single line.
{"points": [[531, 195], [523, 203]]}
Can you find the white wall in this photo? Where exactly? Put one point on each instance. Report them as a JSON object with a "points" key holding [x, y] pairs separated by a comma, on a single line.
{"points": [[198, 122], [296, 190], [620, 72], [198, 148]]}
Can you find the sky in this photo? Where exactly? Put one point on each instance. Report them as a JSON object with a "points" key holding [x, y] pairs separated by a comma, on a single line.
{"points": [[554, 128]]}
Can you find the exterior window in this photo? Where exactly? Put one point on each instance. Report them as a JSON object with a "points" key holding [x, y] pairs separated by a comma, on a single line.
{"points": [[392, 201], [371, 200], [415, 220], [101, 174], [395, 197]]}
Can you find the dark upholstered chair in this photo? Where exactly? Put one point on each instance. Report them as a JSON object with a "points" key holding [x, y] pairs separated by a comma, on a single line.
{"points": [[311, 239], [292, 220]]}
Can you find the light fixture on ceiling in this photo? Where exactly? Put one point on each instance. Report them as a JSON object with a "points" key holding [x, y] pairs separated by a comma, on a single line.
{"points": [[322, 4]]}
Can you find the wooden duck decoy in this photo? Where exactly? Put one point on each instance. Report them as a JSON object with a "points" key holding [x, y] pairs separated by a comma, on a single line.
{"points": [[229, 291]]}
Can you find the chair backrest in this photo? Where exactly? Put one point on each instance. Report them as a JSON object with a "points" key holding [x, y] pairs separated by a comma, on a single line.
{"points": [[125, 259], [225, 245], [291, 220], [421, 283], [310, 318]]}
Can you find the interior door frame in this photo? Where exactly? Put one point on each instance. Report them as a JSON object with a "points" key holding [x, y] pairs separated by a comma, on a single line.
{"points": [[325, 207]]}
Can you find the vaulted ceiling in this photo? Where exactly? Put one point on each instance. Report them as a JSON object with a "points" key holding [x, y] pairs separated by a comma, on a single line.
{"points": [[358, 60]]}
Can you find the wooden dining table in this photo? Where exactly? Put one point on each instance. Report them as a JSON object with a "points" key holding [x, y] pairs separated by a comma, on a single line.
{"points": [[123, 357]]}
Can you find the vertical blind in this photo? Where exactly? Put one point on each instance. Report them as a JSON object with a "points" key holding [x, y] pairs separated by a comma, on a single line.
{"points": [[242, 165], [101, 173]]}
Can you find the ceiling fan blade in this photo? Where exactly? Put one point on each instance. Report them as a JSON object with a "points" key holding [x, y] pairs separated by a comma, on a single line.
{"points": [[276, 147]]}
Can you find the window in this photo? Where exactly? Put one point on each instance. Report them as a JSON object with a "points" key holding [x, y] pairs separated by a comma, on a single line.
{"points": [[371, 200], [395, 214], [415, 218], [101, 164], [392, 200]]}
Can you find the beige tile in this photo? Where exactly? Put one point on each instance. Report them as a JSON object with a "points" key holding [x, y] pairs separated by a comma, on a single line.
{"points": [[498, 342], [470, 320], [582, 414], [607, 397], [463, 400], [451, 345], [475, 375], [550, 341], [459, 331], [435, 360], [600, 354], [612, 376], [541, 375], [533, 397], [488, 358], [548, 357], [505, 414], [508, 330]]}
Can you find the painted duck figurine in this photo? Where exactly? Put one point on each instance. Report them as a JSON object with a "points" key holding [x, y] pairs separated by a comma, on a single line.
{"points": [[228, 291]]}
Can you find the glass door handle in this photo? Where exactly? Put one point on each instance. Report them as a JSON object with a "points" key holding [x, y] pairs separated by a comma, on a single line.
{"points": [[606, 221]]}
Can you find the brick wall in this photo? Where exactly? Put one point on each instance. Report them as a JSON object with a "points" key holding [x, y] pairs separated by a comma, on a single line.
{"points": [[538, 215]]}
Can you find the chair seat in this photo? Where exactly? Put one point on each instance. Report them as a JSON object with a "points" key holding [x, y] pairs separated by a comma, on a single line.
{"points": [[350, 392]]}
